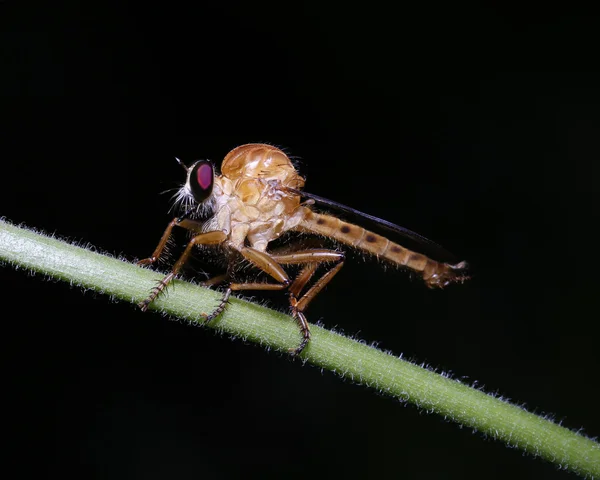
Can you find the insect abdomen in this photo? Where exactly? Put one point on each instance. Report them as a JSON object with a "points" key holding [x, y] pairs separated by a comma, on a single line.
{"points": [[434, 273]]}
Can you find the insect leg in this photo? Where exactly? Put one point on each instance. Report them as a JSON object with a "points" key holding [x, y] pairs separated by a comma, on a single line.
{"points": [[219, 310], [258, 286], [216, 280], [208, 238], [182, 222], [313, 255], [312, 258], [238, 287], [266, 263], [271, 264]]}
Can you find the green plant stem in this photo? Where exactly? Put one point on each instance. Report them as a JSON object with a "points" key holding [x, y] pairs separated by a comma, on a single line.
{"points": [[346, 357]]}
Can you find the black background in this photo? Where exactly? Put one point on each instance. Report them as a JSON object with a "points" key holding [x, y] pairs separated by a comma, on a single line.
{"points": [[475, 126]]}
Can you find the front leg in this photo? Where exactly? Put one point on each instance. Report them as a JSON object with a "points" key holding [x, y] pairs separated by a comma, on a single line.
{"points": [[209, 238], [182, 222]]}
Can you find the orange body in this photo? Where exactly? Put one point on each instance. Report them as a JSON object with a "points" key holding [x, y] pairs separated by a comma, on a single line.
{"points": [[247, 205], [255, 200], [252, 204]]}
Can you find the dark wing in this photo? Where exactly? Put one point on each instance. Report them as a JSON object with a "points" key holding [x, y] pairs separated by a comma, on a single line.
{"points": [[436, 249]]}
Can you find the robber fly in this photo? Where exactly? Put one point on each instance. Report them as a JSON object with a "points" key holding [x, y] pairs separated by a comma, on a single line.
{"points": [[255, 200]]}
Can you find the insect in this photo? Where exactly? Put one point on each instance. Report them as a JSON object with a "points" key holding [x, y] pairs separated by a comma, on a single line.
{"points": [[255, 200]]}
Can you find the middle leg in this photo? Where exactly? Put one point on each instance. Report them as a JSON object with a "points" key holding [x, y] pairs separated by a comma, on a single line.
{"points": [[271, 264]]}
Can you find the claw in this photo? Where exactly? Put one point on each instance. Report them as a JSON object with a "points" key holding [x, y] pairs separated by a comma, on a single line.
{"points": [[144, 305], [217, 311], [304, 329]]}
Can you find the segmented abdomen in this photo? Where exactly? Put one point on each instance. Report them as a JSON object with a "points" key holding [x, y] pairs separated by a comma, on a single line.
{"points": [[434, 273]]}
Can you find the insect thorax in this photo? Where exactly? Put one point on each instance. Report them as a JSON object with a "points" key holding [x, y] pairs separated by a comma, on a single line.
{"points": [[252, 209]]}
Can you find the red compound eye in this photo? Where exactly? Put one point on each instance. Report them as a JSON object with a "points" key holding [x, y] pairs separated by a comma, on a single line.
{"points": [[204, 175], [201, 180]]}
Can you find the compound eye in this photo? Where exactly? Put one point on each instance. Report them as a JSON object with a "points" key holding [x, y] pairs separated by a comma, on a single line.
{"points": [[201, 180]]}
